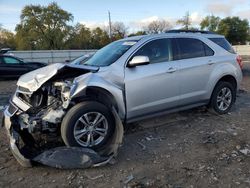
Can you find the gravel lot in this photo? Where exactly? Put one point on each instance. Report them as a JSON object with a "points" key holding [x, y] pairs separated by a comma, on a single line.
{"points": [[187, 149]]}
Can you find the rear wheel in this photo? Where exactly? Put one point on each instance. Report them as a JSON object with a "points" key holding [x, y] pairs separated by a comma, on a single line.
{"points": [[223, 97], [88, 124]]}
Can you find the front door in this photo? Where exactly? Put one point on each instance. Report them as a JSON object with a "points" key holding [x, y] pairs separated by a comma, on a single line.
{"points": [[154, 87]]}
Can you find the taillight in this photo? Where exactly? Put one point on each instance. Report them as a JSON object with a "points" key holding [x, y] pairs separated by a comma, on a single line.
{"points": [[239, 61]]}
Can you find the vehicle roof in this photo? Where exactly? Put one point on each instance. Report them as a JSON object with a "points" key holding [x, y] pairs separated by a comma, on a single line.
{"points": [[4, 50], [174, 35], [8, 55]]}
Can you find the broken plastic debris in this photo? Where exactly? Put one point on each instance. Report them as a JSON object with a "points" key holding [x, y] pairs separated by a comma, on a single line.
{"points": [[129, 179], [94, 178], [69, 157], [142, 145], [78, 157], [209, 139], [245, 151]]}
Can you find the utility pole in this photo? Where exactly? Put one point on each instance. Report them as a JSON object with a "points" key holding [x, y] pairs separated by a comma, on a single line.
{"points": [[110, 32]]}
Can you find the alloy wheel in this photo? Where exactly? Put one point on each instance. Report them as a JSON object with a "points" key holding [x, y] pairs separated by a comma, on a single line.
{"points": [[224, 99], [90, 129]]}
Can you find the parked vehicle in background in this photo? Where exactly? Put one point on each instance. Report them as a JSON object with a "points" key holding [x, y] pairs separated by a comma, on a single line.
{"points": [[139, 77], [80, 60], [12, 67]]}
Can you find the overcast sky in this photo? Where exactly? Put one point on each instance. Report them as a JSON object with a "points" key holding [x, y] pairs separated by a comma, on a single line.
{"points": [[134, 13]]}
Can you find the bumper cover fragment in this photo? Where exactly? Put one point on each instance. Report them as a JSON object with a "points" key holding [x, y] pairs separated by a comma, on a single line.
{"points": [[66, 157]]}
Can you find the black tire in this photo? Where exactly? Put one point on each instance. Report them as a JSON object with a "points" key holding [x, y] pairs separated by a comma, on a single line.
{"points": [[214, 106], [76, 112]]}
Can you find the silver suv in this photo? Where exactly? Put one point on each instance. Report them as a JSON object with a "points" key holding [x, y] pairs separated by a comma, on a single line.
{"points": [[139, 77]]}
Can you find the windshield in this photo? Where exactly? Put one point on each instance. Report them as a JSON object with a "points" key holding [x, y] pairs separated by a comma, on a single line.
{"points": [[110, 53]]}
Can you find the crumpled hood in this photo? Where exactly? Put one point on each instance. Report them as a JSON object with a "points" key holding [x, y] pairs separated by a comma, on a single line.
{"points": [[35, 79]]}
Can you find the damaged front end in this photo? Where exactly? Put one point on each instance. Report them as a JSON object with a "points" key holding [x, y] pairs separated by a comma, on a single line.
{"points": [[35, 113], [45, 107]]}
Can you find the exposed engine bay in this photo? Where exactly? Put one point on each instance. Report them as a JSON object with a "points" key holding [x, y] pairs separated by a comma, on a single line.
{"points": [[47, 106]]}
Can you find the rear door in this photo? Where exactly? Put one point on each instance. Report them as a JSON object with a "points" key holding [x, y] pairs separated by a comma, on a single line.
{"points": [[154, 87], [196, 64]]}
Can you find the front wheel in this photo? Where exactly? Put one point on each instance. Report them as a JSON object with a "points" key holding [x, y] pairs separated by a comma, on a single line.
{"points": [[88, 124], [223, 97]]}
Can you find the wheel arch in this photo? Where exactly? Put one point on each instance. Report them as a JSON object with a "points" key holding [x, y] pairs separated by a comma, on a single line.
{"points": [[226, 78], [101, 95]]}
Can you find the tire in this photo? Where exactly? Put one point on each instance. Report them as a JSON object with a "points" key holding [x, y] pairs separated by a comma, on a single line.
{"points": [[76, 131], [218, 97]]}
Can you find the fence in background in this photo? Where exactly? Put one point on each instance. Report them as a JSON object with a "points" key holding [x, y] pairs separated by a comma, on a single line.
{"points": [[57, 56], [243, 50], [50, 56]]}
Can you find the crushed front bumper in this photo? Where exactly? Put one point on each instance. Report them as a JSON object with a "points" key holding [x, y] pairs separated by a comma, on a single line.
{"points": [[61, 157], [13, 139]]}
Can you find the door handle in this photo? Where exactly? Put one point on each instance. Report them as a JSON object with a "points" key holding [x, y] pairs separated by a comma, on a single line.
{"points": [[210, 62], [171, 70]]}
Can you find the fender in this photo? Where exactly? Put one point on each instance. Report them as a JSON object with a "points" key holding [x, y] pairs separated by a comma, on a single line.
{"points": [[219, 71], [93, 80]]}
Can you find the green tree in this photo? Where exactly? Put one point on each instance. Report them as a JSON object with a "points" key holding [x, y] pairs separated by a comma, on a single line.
{"points": [[7, 39], [80, 37], [185, 21], [234, 29], [138, 33], [210, 23], [99, 38], [43, 27]]}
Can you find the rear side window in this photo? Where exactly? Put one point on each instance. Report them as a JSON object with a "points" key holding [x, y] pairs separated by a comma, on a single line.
{"points": [[222, 42], [192, 48]]}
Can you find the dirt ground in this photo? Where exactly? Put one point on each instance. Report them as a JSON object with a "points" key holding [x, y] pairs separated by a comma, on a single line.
{"points": [[187, 149]]}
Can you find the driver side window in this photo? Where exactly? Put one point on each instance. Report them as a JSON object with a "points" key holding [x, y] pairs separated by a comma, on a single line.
{"points": [[10, 60], [158, 51]]}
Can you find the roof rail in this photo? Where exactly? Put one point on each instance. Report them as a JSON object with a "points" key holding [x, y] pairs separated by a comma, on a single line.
{"points": [[4, 50], [189, 31]]}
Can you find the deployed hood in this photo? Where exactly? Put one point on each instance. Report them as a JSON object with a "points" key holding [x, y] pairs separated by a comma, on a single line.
{"points": [[35, 79]]}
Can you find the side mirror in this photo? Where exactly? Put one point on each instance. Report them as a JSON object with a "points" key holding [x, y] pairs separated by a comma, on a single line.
{"points": [[138, 60], [67, 61]]}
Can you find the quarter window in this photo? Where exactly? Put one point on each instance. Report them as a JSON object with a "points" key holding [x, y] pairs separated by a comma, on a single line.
{"points": [[208, 51], [192, 48], [222, 42], [158, 51]]}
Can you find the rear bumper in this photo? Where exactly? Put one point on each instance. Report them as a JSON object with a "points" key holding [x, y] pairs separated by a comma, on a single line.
{"points": [[239, 77], [13, 140]]}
